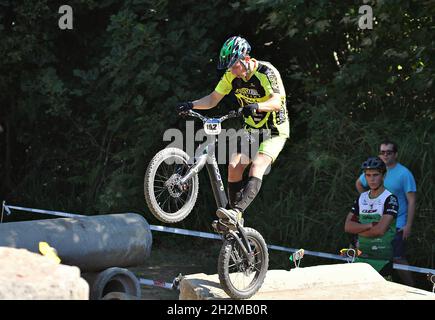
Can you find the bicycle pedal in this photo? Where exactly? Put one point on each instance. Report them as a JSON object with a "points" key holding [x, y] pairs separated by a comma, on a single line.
{"points": [[228, 224], [219, 227]]}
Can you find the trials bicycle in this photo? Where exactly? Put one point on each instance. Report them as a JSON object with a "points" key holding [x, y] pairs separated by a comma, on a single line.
{"points": [[171, 189]]}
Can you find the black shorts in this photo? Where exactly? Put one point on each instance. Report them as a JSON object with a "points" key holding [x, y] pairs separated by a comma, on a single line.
{"points": [[399, 245]]}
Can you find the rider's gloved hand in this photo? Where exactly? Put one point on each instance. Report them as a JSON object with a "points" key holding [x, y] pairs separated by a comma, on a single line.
{"points": [[250, 109], [184, 107]]}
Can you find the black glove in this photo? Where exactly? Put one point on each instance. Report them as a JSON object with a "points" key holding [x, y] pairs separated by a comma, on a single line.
{"points": [[250, 109], [183, 107]]}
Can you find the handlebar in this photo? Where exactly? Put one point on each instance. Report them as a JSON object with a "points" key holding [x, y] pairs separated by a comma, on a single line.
{"points": [[231, 114]]}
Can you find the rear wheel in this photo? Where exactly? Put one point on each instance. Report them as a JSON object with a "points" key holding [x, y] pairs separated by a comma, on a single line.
{"points": [[240, 278], [167, 199]]}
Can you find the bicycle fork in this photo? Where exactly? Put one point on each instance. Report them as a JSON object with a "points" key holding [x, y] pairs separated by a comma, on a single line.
{"points": [[243, 243]]}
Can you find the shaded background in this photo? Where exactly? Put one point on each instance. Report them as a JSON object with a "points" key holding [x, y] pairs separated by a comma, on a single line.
{"points": [[83, 111]]}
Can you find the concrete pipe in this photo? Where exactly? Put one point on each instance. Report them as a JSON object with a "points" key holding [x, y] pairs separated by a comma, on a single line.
{"points": [[92, 243], [113, 284]]}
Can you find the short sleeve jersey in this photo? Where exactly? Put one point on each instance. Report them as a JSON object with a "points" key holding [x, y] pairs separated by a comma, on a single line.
{"points": [[398, 180], [371, 210], [264, 82]]}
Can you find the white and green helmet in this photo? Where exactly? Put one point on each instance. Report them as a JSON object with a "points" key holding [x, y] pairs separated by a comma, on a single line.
{"points": [[235, 48]]}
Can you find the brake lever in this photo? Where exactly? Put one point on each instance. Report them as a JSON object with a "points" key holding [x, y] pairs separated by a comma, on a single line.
{"points": [[183, 114], [235, 114]]}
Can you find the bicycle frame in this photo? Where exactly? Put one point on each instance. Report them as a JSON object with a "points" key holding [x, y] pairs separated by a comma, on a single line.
{"points": [[208, 159]]}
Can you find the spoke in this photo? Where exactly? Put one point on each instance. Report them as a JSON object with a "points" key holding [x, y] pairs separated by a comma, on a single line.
{"points": [[165, 171], [176, 206], [162, 206], [161, 193], [163, 177], [160, 187], [184, 196], [178, 200]]}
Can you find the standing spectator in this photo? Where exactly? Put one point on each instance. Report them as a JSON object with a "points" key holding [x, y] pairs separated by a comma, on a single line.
{"points": [[372, 218], [399, 181]]}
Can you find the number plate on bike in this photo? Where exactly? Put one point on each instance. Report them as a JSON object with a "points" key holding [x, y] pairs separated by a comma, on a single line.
{"points": [[212, 126]]}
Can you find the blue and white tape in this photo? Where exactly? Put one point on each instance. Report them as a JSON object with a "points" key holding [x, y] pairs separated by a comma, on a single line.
{"points": [[6, 208], [186, 232], [54, 213]]}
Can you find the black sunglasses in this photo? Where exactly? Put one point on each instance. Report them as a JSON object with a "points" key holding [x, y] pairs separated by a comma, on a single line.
{"points": [[386, 152]]}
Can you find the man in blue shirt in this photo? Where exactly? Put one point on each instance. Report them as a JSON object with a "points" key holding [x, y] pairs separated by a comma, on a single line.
{"points": [[400, 182]]}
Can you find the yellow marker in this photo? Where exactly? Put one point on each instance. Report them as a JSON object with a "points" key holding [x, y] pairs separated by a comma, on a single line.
{"points": [[48, 251], [346, 251]]}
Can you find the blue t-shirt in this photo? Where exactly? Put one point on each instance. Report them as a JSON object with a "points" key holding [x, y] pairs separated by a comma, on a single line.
{"points": [[399, 181]]}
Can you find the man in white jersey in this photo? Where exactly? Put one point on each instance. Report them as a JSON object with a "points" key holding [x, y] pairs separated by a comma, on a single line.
{"points": [[400, 181], [373, 219]]}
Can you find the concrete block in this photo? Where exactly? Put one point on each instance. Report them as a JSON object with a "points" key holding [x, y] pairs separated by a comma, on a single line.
{"points": [[346, 281]]}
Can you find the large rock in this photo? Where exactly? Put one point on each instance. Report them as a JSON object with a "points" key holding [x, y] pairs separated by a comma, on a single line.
{"points": [[325, 282], [29, 276]]}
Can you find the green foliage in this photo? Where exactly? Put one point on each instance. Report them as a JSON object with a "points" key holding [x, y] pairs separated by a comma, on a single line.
{"points": [[83, 110]]}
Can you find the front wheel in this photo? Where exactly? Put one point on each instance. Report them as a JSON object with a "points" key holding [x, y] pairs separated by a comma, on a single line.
{"points": [[168, 199], [240, 278]]}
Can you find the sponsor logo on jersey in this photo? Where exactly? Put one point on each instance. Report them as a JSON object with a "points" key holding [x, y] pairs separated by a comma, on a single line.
{"points": [[252, 93], [378, 247], [369, 211], [273, 80], [393, 201]]}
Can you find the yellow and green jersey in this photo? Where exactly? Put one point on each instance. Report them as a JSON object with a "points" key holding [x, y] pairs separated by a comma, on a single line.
{"points": [[264, 81]]}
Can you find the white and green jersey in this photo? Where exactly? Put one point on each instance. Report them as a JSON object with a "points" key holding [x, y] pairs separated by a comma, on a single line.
{"points": [[371, 210]]}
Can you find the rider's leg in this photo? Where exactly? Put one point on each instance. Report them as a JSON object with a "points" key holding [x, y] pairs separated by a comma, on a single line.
{"points": [[258, 168], [267, 153], [237, 166]]}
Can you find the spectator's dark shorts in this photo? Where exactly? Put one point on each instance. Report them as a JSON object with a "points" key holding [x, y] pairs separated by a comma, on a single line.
{"points": [[399, 245]]}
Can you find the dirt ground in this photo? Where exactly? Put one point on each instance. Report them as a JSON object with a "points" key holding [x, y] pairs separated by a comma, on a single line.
{"points": [[171, 256]]}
